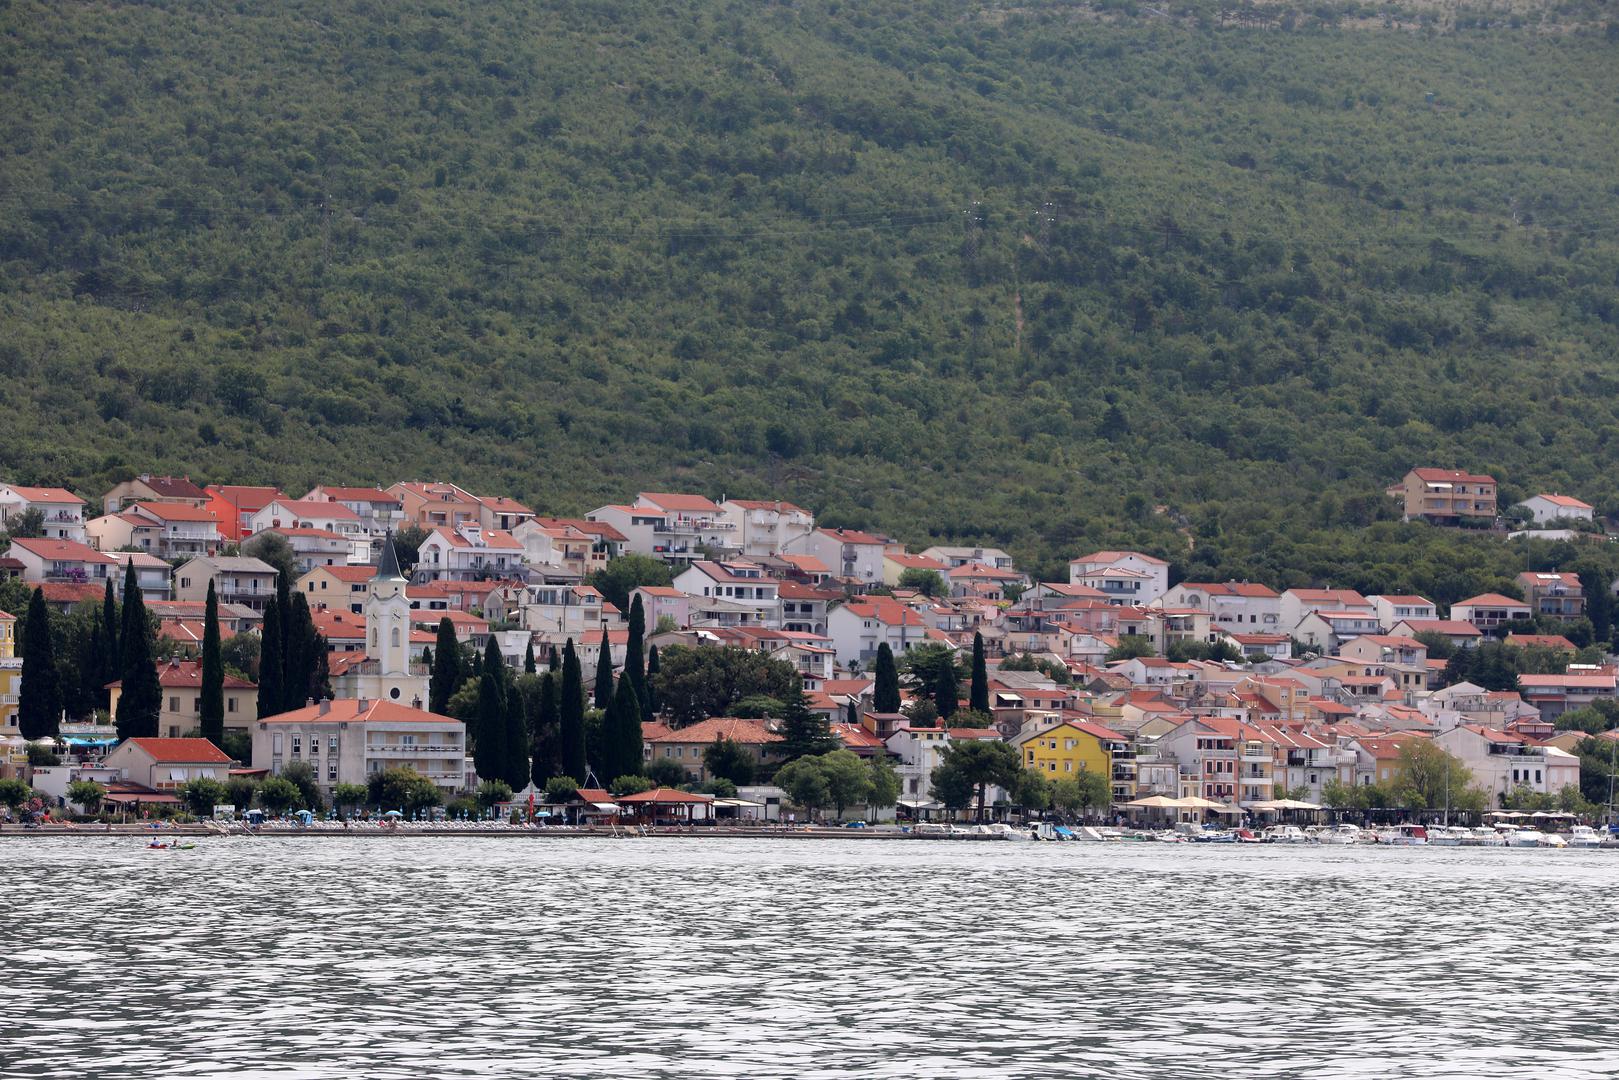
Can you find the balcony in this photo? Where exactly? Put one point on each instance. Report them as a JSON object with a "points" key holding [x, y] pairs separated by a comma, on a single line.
{"points": [[397, 749]]}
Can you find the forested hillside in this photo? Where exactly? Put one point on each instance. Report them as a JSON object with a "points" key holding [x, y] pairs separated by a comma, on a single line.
{"points": [[1050, 275]]}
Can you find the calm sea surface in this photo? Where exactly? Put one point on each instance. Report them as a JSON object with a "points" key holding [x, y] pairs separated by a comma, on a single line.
{"points": [[447, 957]]}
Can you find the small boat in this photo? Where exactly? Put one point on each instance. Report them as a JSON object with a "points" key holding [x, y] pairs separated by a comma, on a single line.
{"points": [[1285, 834], [1483, 836], [1525, 837], [1404, 834], [1219, 836], [1447, 835], [1551, 840], [1247, 836], [1342, 834], [1583, 836]]}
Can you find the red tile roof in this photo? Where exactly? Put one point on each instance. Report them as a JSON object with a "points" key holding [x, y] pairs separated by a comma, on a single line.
{"points": [[59, 550], [183, 751], [672, 501], [175, 511], [1115, 556], [747, 732], [45, 494], [659, 796], [348, 710], [357, 494], [1451, 476]]}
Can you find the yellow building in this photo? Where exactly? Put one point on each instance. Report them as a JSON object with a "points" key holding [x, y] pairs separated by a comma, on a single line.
{"points": [[10, 682], [1062, 751]]}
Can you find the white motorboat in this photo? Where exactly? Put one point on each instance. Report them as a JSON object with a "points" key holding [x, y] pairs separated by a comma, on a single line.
{"points": [[1552, 840], [1583, 836], [1344, 833], [1403, 835], [1285, 834], [1448, 835], [1524, 837], [1484, 836]]}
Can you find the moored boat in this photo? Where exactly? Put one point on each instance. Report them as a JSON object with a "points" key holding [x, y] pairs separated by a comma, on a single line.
{"points": [[1344, 833], [1404, 834], [1583, 836]]}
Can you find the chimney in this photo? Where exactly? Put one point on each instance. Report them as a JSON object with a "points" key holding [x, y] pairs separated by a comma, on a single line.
{"points": [[360, 705], [325, 706]]}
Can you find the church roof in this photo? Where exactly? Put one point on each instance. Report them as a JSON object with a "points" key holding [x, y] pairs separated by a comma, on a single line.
{"points": [[388, 567]]}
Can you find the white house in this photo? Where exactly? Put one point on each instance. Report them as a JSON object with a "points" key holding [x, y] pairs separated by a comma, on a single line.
{"points": [[859, 627], [1548, 508], [1502, 760], [63, 511], [46, 559], [847, 553], [1326, 630], [168, 764], [183, 530], [379, 513], [467, 554], [659, 602], [1243, 607], [674, 527], [1125, 577], [1295, 604], [307, 514], [1395, 609], [348, 741], [238, 579], [742, 582], [766, 526], [1489, 610], [953, 556], [564, 611]]}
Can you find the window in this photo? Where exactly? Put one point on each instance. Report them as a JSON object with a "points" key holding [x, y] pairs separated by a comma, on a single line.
{"points": [[295, 744], [230, 705], [275, 743], [185, 583], [331, 770], [331, 744]]}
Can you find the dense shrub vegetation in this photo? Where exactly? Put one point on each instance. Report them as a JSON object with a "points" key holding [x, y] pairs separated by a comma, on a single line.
{"points": [[1051, 275]]}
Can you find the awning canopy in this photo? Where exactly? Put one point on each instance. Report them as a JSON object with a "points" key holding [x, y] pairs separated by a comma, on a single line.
{"points": [[605, 807], [1156, 802]]}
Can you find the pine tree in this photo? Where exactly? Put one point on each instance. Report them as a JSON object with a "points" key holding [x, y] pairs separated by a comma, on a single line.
{"points": [[140, 697], [112, 664], [571, 715], [885, 694], [553, 662], [804, 733], [622, 733], [446, 677], [39, 698], [544, 743], [604, 673], [489, 736], [978, 698], [946, 689], [516, 740], [635, 657], [211, 699], [649, 707], [270, 665], [529, 666]]}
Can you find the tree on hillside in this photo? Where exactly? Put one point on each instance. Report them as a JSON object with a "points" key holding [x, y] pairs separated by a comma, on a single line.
{"points": [[112, 665], [978, 698], [946, 690], [27, 525], [571, 713], [730, 760], [805, 783], [694, 683], [604, 673], [529, 666], [885, 689], [39, 698], [489, 730], [140, 698], [302, 654], [211, 694], [650, 707], [407, 542], [635, 656], [275, 549], [977, 764], [515, 739], [925, 581], [546, 746], [271, 693], [445, 679], [621, 733], [804, 732], [1129, 647], [625, 574]]}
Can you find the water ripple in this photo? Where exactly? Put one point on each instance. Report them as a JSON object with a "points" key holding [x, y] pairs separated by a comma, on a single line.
{"points": [[699, 958]]}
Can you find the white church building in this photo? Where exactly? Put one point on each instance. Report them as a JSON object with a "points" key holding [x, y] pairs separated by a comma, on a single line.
{"points": [[386, 672]]}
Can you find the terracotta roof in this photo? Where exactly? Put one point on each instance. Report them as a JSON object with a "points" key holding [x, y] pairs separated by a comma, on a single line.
{"points": [[593, 528], [1566, 501], [853, 736], [672, 501], [1489, 599], [187, 674], [355, 494], [1450, 627], [768, 504], [809, 564], [1451, 476], [1571, 682], [184, 751], [1542, 641], [59, 550], [748, 732], [349, 710], [853, 536], [247, 499], [1251, 589], [1115, 556], [70, 592], [346, 572], [45, 494], [175, 511], [305, 508], [914, 562], [173, 487], [492, 538], [1346, 597], [1410, 600], [664, 795]]}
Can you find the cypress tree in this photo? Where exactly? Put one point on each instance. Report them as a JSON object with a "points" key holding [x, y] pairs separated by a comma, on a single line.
{"points": [[978, 697], [446, 677], [321, 688], [553, 662], [211, 702], [131, 618], [493, 663], [427, 657], [851, 715], [516, 741], [298, 660], [945, 689], [604, 673], [39, 698], [571, 715], [622, 733], [112, 664], [649, 707], [885, 694], [141, 697], [544, 764], [635, 655], [529, 667], [489, 737], [270, 665]]}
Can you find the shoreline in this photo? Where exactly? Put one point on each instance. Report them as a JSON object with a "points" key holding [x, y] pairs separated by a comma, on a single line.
{"points": [[198, 831]]}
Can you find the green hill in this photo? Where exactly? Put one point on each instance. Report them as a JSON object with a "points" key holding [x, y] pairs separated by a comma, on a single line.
{"points": [[1051, 275]]}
